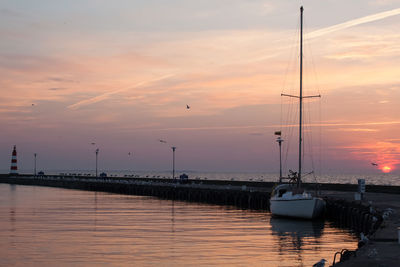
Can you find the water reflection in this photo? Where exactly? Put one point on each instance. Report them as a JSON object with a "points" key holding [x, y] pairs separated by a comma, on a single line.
{"points": [[172, 216], [52, 226], [12, 212], [95, 211], [295, 235], [285, 227]]}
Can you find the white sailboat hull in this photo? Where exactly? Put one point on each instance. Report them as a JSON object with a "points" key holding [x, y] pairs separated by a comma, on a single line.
{"points": [[298, 208]]}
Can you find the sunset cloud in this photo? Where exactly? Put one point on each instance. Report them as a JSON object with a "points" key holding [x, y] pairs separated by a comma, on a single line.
{"points": [[124, 75], [382, 153]]}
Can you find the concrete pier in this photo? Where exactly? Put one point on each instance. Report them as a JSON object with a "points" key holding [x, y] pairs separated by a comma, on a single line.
{"points": [[382, 247], [377, 216]]}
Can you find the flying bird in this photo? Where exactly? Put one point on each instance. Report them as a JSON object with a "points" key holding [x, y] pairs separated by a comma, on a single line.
{"points": [[187, 107], [33, 105], [374, 164], [129, 153], [162, 141], [93, 144]]}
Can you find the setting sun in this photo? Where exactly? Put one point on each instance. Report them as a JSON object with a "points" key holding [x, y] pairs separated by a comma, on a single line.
{"points": [[386, 169]]}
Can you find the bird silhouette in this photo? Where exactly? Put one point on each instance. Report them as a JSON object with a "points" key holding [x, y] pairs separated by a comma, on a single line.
{"points": [[187, 107], [162, 141], [374, 164]]}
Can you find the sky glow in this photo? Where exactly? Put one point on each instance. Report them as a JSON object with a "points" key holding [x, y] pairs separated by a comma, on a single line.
{"points": [[120, 74]]}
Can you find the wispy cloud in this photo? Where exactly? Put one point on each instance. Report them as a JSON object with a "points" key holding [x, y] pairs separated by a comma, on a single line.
{"points": [[10, 12], [107, 95], [393, 140], [357, 130], [60, 79], [364, 45], [272, 126], [358, 124], [382, 2], [256, 134]]}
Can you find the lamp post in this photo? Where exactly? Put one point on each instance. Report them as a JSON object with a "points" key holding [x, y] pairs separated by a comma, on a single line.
{"points": [[131, 166], [280, 140], [34, 171], [173, 162], [97, 153]]}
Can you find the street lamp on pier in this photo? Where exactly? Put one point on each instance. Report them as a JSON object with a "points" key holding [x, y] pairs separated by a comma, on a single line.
{"points": [[280, 140], [173, 162], [34, 170], [97, 153]]}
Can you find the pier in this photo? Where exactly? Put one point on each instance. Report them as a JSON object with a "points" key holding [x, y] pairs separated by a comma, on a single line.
{"points": [[383, 245], [377, 216]]}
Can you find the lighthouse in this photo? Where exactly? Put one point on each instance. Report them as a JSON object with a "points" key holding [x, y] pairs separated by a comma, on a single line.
{"points": [[14, 168]]}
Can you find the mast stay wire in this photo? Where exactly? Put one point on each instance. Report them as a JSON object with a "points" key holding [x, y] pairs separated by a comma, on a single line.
{"points": [[292, 111], [308, 133], [311, 107]]}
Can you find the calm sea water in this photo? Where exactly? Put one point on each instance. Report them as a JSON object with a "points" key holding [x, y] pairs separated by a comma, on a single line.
{"points": [[43, 226]]}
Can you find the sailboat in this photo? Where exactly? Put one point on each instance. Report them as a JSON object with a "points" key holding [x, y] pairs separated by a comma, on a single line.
{"points": [[290, 199]]}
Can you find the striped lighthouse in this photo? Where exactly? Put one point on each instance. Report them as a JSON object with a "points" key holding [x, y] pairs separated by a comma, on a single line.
{"points": [[14, 168]]}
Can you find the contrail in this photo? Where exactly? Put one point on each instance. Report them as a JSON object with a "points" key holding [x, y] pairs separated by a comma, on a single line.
{"points": [[108, 94], [354, 22], [337, 27]]}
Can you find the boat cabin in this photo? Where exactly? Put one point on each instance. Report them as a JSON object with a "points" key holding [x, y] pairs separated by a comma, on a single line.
{"points": [[282, 189]]}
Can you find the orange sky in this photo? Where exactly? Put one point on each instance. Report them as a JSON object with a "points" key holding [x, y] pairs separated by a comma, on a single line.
{"points": [[121, 75]]}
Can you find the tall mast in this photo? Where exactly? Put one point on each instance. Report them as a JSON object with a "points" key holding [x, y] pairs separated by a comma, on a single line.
{"points": [[301, 93], [301, 97]]}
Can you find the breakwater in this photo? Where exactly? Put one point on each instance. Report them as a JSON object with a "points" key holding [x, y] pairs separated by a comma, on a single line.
{"points": [[244, 195], [355, 215]]}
